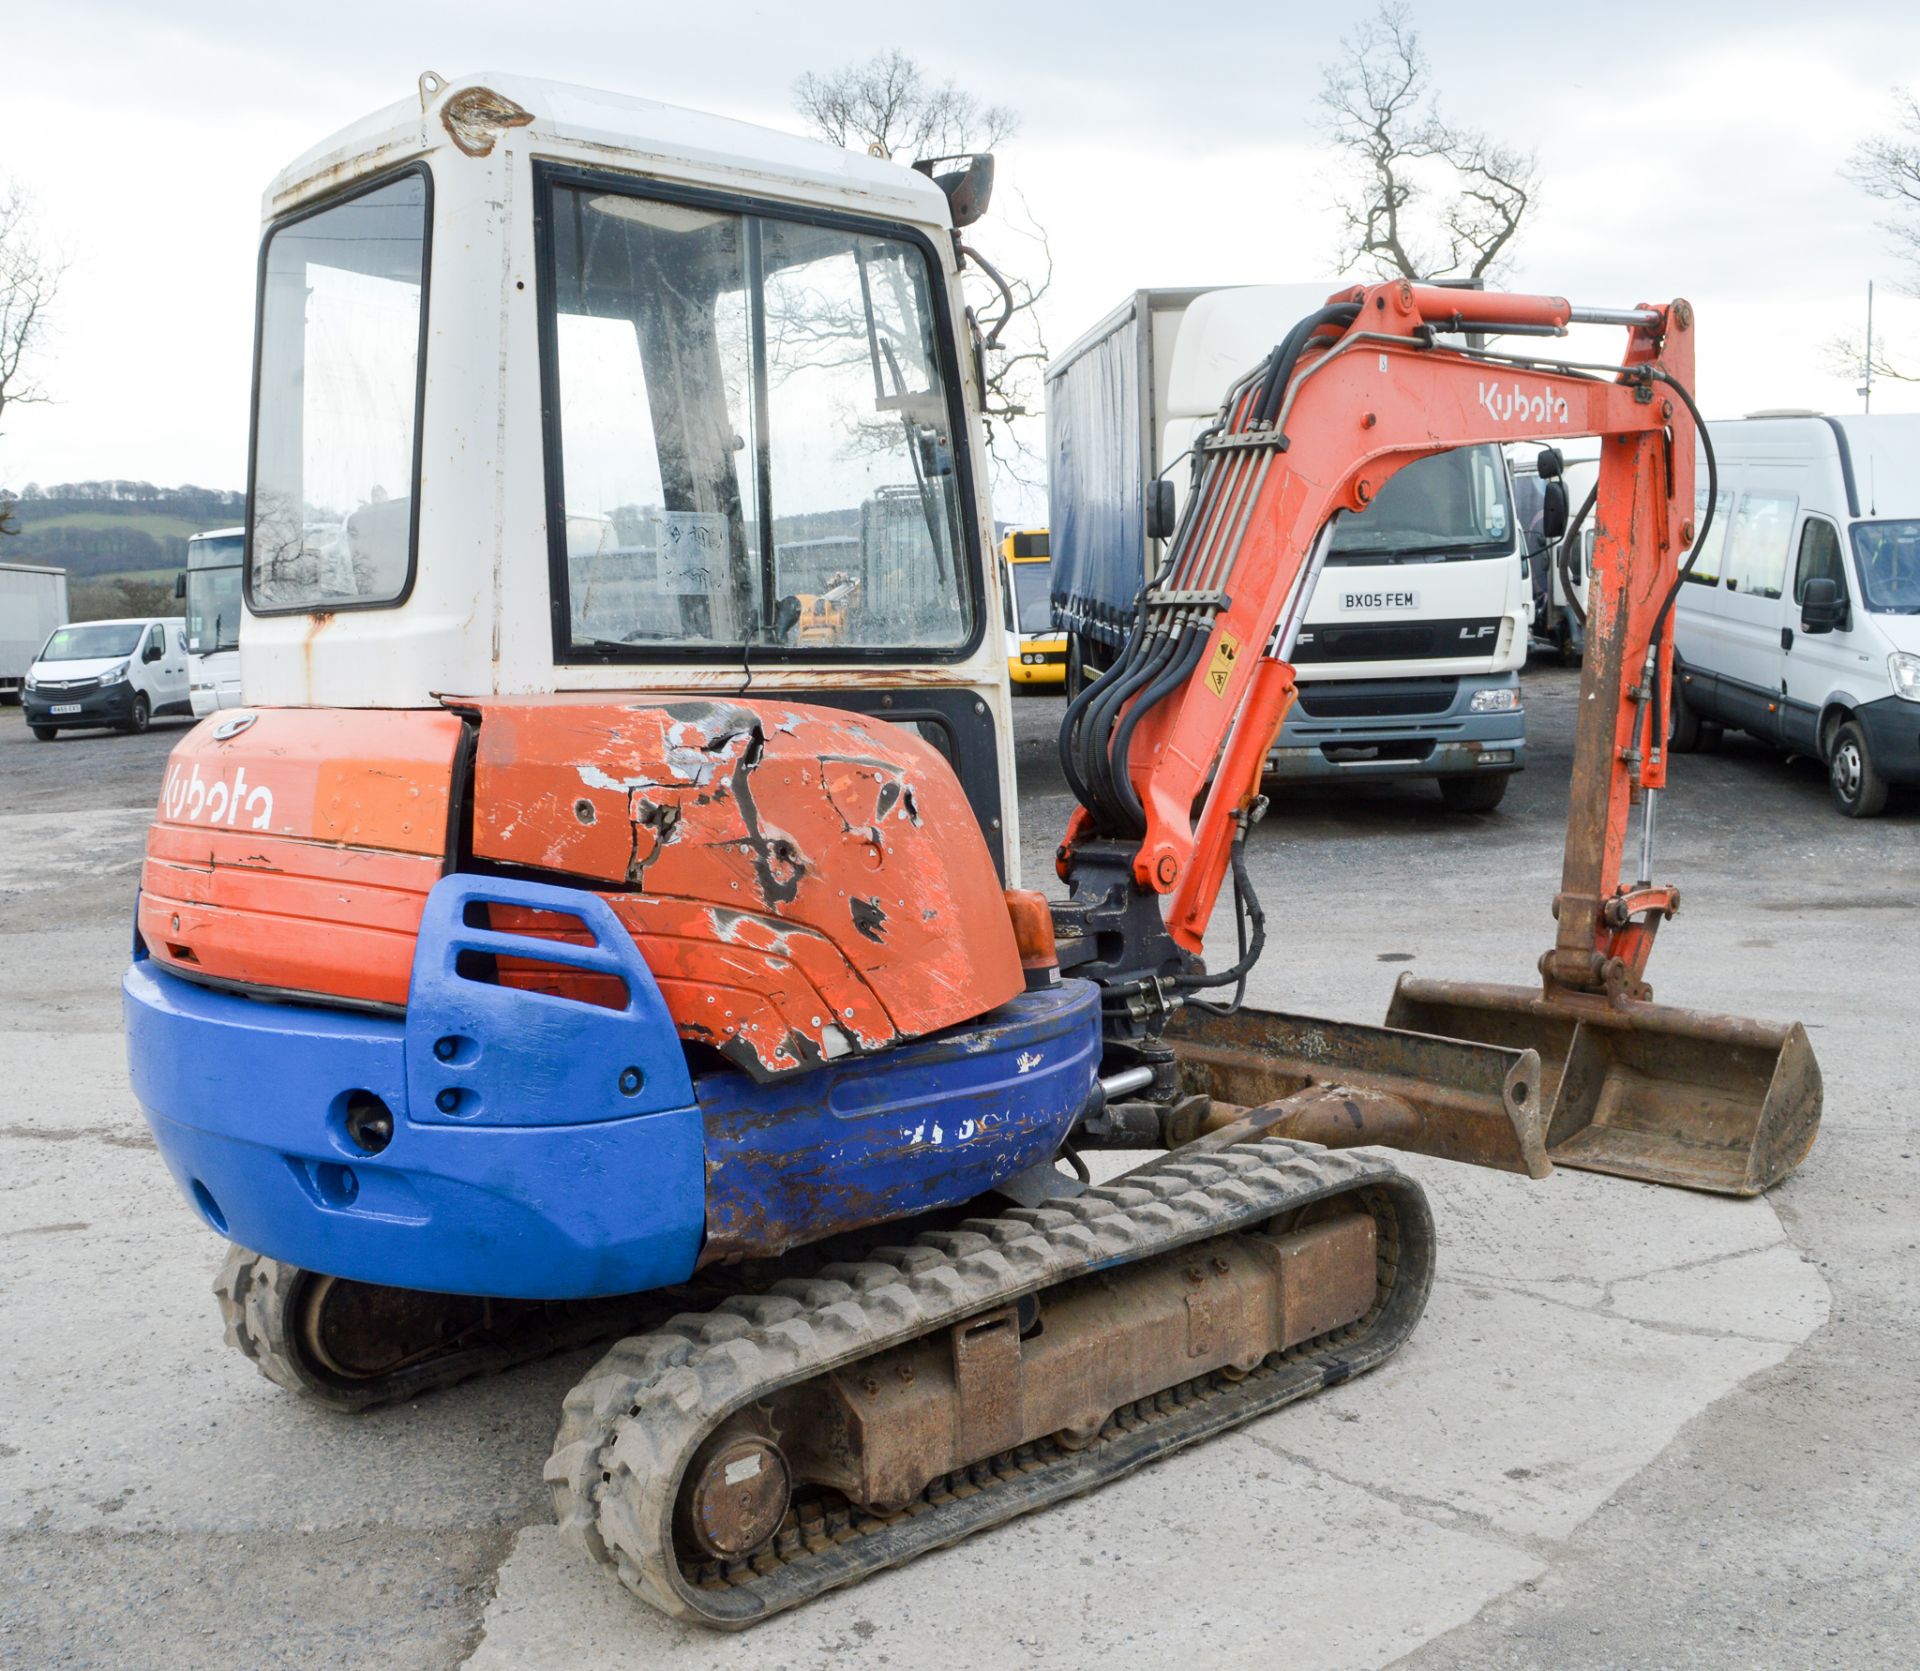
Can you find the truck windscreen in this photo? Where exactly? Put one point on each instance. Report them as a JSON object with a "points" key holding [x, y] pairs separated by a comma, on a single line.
{"points": [[213, 594], [1451, 505]]}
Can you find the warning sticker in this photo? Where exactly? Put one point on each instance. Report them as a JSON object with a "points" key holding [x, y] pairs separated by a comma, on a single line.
{"points": [[1220, 669]]}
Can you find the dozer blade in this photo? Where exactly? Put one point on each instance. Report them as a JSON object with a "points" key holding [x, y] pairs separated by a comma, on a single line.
{"points": [[1647, 1091], [1478, 1102]]}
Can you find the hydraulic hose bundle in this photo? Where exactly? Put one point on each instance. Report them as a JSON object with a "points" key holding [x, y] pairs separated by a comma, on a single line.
{"points": [[1175, 612]]}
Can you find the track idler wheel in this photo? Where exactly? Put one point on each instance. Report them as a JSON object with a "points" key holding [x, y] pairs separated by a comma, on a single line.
{"points": [[354, 1345]]}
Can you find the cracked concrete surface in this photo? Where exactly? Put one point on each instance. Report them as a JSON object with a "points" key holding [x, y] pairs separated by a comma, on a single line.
{"points": [[1635, 1427]]}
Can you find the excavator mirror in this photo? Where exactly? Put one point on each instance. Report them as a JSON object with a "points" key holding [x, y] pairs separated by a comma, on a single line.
{"points": [[1160, 512], [969, 188]]}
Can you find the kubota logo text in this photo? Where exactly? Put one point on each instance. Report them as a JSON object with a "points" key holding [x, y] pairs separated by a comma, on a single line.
{"points": [[1514, 404], [191, 800]]}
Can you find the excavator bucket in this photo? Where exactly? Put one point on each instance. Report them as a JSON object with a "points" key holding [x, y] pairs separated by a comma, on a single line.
{"points": [[1648, 1091], [1451, 1097]]}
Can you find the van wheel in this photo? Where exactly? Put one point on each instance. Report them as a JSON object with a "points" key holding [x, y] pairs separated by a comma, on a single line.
{"points": [[46, 733], [1859, 790], [142, 715], [1684, 729], [1474, 794]]}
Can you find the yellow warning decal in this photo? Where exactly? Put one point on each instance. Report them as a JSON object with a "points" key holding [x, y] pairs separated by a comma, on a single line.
{"points": [[1220, 669]]}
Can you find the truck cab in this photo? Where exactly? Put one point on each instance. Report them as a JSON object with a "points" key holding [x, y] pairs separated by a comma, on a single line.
{"points": [[1408, 656]]}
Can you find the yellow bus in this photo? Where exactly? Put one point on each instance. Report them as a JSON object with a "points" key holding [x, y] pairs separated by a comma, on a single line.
{"points": [[1036, 649]]}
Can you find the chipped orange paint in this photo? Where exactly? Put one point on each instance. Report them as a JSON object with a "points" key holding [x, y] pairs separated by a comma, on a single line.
{"points": [[800, 880], [803, 883]]}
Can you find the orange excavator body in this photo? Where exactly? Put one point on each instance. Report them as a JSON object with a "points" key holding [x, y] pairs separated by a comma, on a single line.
{"points": [[803, 884]]}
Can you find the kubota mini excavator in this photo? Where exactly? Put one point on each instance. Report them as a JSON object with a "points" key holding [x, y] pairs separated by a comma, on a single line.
{"points": [[577, 934]]}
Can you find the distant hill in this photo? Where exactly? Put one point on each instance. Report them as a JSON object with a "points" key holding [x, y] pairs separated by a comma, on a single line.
{"points": [[95, 530]]}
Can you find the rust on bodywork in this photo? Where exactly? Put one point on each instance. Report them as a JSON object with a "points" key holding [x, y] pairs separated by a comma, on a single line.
{"points": [[880, 1428], [1462, 1101], [475, 117]]}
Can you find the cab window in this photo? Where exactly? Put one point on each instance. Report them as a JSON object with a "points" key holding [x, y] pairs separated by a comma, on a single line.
{"points": [[1819, 558], [1758, 542], [1706, 567], [336, 420], [756, 446]]}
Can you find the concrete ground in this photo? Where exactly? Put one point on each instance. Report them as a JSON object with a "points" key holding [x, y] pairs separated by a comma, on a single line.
{"points": [[1636, 1427]]}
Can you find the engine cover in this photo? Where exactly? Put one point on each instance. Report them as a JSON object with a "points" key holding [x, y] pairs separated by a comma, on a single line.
{"points": [[804, 883]]}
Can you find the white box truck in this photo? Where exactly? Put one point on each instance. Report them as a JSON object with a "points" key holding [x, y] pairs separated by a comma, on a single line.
{"points": [[1409, 654], [33, 601], [1800, 624]]}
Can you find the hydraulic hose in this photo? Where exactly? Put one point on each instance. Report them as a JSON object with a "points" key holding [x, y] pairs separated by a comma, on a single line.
{"points": [[1568, 542], [1655, 707], [1192, 645]]}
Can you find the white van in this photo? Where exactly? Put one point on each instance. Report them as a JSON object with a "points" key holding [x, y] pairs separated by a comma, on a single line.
{"points": [[1801, 621], [108, 673]]}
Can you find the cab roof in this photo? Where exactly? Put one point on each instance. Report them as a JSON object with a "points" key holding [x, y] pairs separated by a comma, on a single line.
{"points": [[615, 130]]}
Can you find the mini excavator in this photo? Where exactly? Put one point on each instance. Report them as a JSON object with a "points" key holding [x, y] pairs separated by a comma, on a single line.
{"points": [[603, 920]]}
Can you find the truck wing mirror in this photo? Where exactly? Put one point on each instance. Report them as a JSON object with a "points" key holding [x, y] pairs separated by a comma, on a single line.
{"points": [[1160, 512], [180, 584], [1553, 508], [1822, 608], [969, 188]]}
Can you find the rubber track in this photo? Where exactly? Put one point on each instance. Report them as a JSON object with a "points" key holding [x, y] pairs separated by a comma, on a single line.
{"points": [[631, 1428], [259, 1302]]}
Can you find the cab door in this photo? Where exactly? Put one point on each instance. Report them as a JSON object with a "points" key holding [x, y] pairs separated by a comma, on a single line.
{"points": [[1815, 665]]}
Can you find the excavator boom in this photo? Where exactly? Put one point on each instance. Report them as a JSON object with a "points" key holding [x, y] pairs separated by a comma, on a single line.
{"points": [[1373, 382]]}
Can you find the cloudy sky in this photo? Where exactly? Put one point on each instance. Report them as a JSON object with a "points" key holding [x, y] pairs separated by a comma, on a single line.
{"points": [[1694, 150]]}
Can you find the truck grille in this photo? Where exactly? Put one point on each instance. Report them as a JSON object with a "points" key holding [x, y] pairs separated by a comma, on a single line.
{"points": [[1396, 640], [1375, 699]]}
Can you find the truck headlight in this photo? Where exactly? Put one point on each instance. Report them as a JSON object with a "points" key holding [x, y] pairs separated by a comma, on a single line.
{"points": [[1500, 701], [1904, 670]]}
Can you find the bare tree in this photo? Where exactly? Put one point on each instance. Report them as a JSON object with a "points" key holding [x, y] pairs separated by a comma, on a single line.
{"points": [[1427, 197], [889, 107], [1886, 166], [29, 282]]}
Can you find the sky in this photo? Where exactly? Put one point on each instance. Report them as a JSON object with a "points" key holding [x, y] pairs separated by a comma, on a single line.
{"points": [[1697, 153]]}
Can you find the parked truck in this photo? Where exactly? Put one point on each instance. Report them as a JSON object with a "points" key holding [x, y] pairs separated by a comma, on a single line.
{"points": [[1409, 653], [33, 601]]}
